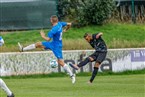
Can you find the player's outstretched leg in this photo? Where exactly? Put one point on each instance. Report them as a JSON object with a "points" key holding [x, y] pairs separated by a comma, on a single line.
{"points": [[29, 47], [6, 89], [74, 66], [83, 63], [67, 69]]}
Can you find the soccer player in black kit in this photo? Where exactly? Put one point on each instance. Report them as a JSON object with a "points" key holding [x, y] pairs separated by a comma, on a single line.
{"points": [[96, 41]]}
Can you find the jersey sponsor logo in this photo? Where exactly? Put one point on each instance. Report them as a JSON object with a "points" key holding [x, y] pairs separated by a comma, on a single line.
{"points": [[60, 38]]}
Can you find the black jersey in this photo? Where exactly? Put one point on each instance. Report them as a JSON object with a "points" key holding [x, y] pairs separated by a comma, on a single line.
{"points": [[98, 44]]}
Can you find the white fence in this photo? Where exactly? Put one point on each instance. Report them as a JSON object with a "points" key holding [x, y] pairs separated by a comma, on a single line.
{"points": [[38, 62]]}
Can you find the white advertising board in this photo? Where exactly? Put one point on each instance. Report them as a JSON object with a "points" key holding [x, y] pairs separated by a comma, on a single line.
{"points": [[117, 60]]}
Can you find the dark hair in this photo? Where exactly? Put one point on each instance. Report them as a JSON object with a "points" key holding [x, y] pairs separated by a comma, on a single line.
{"points": [[86, 34]]}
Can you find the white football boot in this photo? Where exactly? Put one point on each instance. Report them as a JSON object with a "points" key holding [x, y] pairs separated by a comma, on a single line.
{"points": [[20, 47], [73, 78]]}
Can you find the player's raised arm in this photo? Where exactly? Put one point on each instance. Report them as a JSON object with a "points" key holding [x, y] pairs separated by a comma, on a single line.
{"points": [[67, 27], [44, 36], [98, 35]]}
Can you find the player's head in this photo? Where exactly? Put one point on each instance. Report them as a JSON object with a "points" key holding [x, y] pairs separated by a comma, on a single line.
{"points": [[54, 19], [88, 37]]}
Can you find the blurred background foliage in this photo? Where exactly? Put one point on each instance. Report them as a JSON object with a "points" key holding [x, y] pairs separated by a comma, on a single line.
{"points": [[86, 12]]}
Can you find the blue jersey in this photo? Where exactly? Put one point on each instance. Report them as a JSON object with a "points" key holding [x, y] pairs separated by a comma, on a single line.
{"points": [[56, 44], [56, 33]]}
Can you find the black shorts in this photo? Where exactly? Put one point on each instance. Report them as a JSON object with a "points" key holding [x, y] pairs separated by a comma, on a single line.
{"points": [[99, 56]]}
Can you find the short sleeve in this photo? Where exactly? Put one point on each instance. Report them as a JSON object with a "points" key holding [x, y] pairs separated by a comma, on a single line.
{"points": [[63, 24]]}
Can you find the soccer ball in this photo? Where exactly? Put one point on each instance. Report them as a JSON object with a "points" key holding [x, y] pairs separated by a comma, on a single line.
{"points": [[53, 63], [1, 41]]}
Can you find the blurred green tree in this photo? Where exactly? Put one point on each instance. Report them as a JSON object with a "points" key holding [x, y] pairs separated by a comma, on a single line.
{"points": [[85, 12]]}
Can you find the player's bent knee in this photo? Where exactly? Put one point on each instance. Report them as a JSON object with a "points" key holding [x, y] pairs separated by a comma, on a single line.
{"points": [[97, 64], [38, 45], [90, 59], [60, 62]]}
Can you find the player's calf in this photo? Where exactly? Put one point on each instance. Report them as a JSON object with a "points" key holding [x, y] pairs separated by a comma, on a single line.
{"points": [[83, 63], [94, 74], [74, 66]]}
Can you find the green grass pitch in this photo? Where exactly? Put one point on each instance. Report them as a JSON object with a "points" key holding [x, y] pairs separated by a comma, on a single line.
{"points": [[103, 86]]}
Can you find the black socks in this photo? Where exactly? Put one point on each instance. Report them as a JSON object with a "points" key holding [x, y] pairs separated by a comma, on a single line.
{"points": [[94, 74], [83, 63]]}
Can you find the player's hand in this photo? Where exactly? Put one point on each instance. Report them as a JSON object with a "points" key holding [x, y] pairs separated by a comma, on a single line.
{"points": [[64, 30], [42, 33], [99, 35]]}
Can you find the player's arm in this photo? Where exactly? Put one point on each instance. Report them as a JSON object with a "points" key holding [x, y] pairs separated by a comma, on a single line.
{"points": [[68, 25], [99, 35], [44, 36]]}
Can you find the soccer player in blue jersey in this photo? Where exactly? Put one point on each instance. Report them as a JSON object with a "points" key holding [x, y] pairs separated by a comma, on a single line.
{"points": [[2, 83], [55, 34]]}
